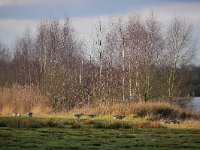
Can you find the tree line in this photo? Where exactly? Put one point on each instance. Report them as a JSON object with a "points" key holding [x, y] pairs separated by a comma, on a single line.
{"points": [[132, 59]]}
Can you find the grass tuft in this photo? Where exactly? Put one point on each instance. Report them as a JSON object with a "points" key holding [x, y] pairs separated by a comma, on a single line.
{"points": [[148, 124], [112, 124], [76, 125]]}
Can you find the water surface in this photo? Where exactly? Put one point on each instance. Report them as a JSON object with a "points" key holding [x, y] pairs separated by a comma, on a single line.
{"points": [[195, 104]]}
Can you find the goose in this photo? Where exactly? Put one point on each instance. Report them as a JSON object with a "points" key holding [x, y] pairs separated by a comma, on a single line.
{"points": [[78, 115], [30, 114], [119, 117], [18, 114], [174, 122], [14, 114], [171, 122], [91, 116]]}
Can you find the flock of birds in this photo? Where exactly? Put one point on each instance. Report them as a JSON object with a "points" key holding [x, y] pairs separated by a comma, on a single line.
{"points": [[118, 117], [29, 114], [78, 116]]}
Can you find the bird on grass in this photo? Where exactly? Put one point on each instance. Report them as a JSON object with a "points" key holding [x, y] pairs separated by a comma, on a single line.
{"points": [[14, 114], [165, 122], [171, 122], [174, 122], [91, 116], [30, 114], [78, 115], [119, 117]]}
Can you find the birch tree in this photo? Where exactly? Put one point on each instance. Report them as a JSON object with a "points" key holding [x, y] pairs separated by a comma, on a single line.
{"points": [[179, 49], [5, 58], [153, 47]]}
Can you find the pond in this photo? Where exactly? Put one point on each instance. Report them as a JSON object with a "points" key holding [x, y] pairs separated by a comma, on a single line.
{"points": [[195, 104]]}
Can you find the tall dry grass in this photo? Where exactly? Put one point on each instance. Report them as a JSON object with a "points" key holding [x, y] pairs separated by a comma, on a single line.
{"points": [[141, 109], [29, 98], [22, 99]]}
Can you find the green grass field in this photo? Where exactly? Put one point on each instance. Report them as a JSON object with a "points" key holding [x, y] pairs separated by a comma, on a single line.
{"points": [[91, 134]]}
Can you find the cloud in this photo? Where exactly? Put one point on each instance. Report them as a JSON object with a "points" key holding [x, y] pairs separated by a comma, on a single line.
{"points": [[39, 2], [17, 26], [165, 14], [84, 24], [189, 12], [10, 29], [15, 2]]}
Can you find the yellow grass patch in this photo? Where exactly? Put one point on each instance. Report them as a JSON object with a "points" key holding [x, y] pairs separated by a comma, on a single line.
{"points": [[22, 99]]}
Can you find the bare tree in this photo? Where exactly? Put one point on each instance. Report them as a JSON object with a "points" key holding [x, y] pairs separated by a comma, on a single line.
{"points": [[136, 36], [153, 47], [24, 62], [5, 59], [179, 49]]}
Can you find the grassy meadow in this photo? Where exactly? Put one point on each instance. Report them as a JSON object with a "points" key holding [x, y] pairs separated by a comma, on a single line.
{"points": [[102, 132]]}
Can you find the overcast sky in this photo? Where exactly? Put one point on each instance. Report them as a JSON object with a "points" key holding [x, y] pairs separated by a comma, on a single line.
{"points": [[16, 15]]}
